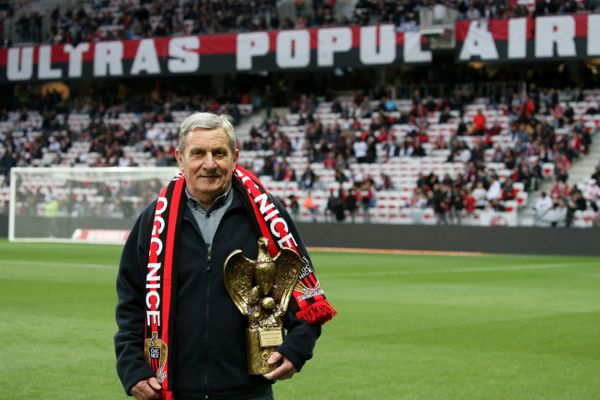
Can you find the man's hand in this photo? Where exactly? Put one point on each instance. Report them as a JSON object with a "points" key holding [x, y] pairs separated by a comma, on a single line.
{"points": [[147, 389], [284, 371]]}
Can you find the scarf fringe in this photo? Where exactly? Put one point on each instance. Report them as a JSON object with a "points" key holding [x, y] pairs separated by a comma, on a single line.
{"points": [[317, 313]]}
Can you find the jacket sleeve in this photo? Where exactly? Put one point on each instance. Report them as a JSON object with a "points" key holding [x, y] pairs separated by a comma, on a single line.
{"points": [[130, 310], [301, 337]]}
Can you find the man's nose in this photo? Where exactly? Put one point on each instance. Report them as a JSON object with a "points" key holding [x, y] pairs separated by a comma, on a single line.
{"points": [[209, 161]]}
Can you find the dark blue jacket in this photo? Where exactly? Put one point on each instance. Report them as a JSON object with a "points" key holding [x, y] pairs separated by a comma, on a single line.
{"points": [[209, 331]]}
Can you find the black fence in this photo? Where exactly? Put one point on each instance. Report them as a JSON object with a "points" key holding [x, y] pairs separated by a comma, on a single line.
{"points": [[505, 240], [522, 240], [3, 226]]}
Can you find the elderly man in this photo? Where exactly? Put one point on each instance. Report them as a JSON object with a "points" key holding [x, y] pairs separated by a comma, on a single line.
{"points": [[180, 335]]}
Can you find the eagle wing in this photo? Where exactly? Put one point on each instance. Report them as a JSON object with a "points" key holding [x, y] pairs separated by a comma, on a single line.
{"points": [[287, 268], [238, 273]]}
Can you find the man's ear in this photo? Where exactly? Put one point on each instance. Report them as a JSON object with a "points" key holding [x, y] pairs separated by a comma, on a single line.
{"points": [[236, 156], [179, 158]]}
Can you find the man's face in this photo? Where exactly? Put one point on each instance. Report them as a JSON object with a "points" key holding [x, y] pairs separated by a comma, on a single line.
{"points": [[207, 162]]}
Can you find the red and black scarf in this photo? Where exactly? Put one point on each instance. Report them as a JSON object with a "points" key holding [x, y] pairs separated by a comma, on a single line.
{"points": [[161, 278]]}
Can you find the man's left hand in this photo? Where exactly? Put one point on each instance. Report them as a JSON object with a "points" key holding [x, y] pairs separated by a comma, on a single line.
{"points": [[284, 371]]}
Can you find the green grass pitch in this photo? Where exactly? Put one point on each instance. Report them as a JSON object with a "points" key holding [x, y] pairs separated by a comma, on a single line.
{"points": [[409, 326]]}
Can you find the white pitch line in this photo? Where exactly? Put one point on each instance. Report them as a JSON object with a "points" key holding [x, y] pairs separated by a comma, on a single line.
{"points": [[529, 267], [55, 264]]}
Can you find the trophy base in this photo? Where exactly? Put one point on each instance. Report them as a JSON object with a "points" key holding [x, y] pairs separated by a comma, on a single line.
{"points": [[261, 343]]}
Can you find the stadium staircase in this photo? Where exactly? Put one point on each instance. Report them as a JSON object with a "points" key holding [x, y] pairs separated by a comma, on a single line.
{"points": [[582, 168], [255, 120], [42, 8], [579, 174], [243, 129]]}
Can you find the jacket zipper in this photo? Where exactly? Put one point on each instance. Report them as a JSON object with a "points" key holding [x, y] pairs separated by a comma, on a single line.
{"points": [[206, 337], [207, 319]]}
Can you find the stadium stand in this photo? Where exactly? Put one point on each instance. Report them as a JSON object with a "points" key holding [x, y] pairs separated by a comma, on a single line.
{"points": [[424, 153], [85, 132], [380, 159], [95, 133], [392, 156], [88, 21]]}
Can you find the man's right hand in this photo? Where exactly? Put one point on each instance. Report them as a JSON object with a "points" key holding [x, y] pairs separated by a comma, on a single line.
{"points": [[147, 389]]}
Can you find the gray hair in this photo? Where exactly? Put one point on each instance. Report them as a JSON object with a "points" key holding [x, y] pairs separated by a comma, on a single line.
{"points": [[206, 120]]}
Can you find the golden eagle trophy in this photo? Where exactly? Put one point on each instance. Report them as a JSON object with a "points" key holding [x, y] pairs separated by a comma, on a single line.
{"points": [[261, 290]]}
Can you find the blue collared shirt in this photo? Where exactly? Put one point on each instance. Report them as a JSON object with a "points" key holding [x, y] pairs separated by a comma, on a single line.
{"points": [[208, 219]]}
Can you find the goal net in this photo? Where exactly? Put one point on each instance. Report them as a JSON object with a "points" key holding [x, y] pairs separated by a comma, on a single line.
{"points": [[92, 205]]}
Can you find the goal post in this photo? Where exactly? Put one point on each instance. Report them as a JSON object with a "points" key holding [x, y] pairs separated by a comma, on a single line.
{"points": [[90, 205]]}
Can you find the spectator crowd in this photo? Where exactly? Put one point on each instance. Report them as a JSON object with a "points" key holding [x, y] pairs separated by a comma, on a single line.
{"points": [[498, 160], [45, 136], [96, 20]]}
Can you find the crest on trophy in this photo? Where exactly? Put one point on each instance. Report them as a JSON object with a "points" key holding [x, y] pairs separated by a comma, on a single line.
{"points": [[261, 290]]}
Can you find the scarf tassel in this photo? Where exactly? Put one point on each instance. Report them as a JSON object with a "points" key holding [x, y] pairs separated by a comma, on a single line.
{"points": [[317, 313]]}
